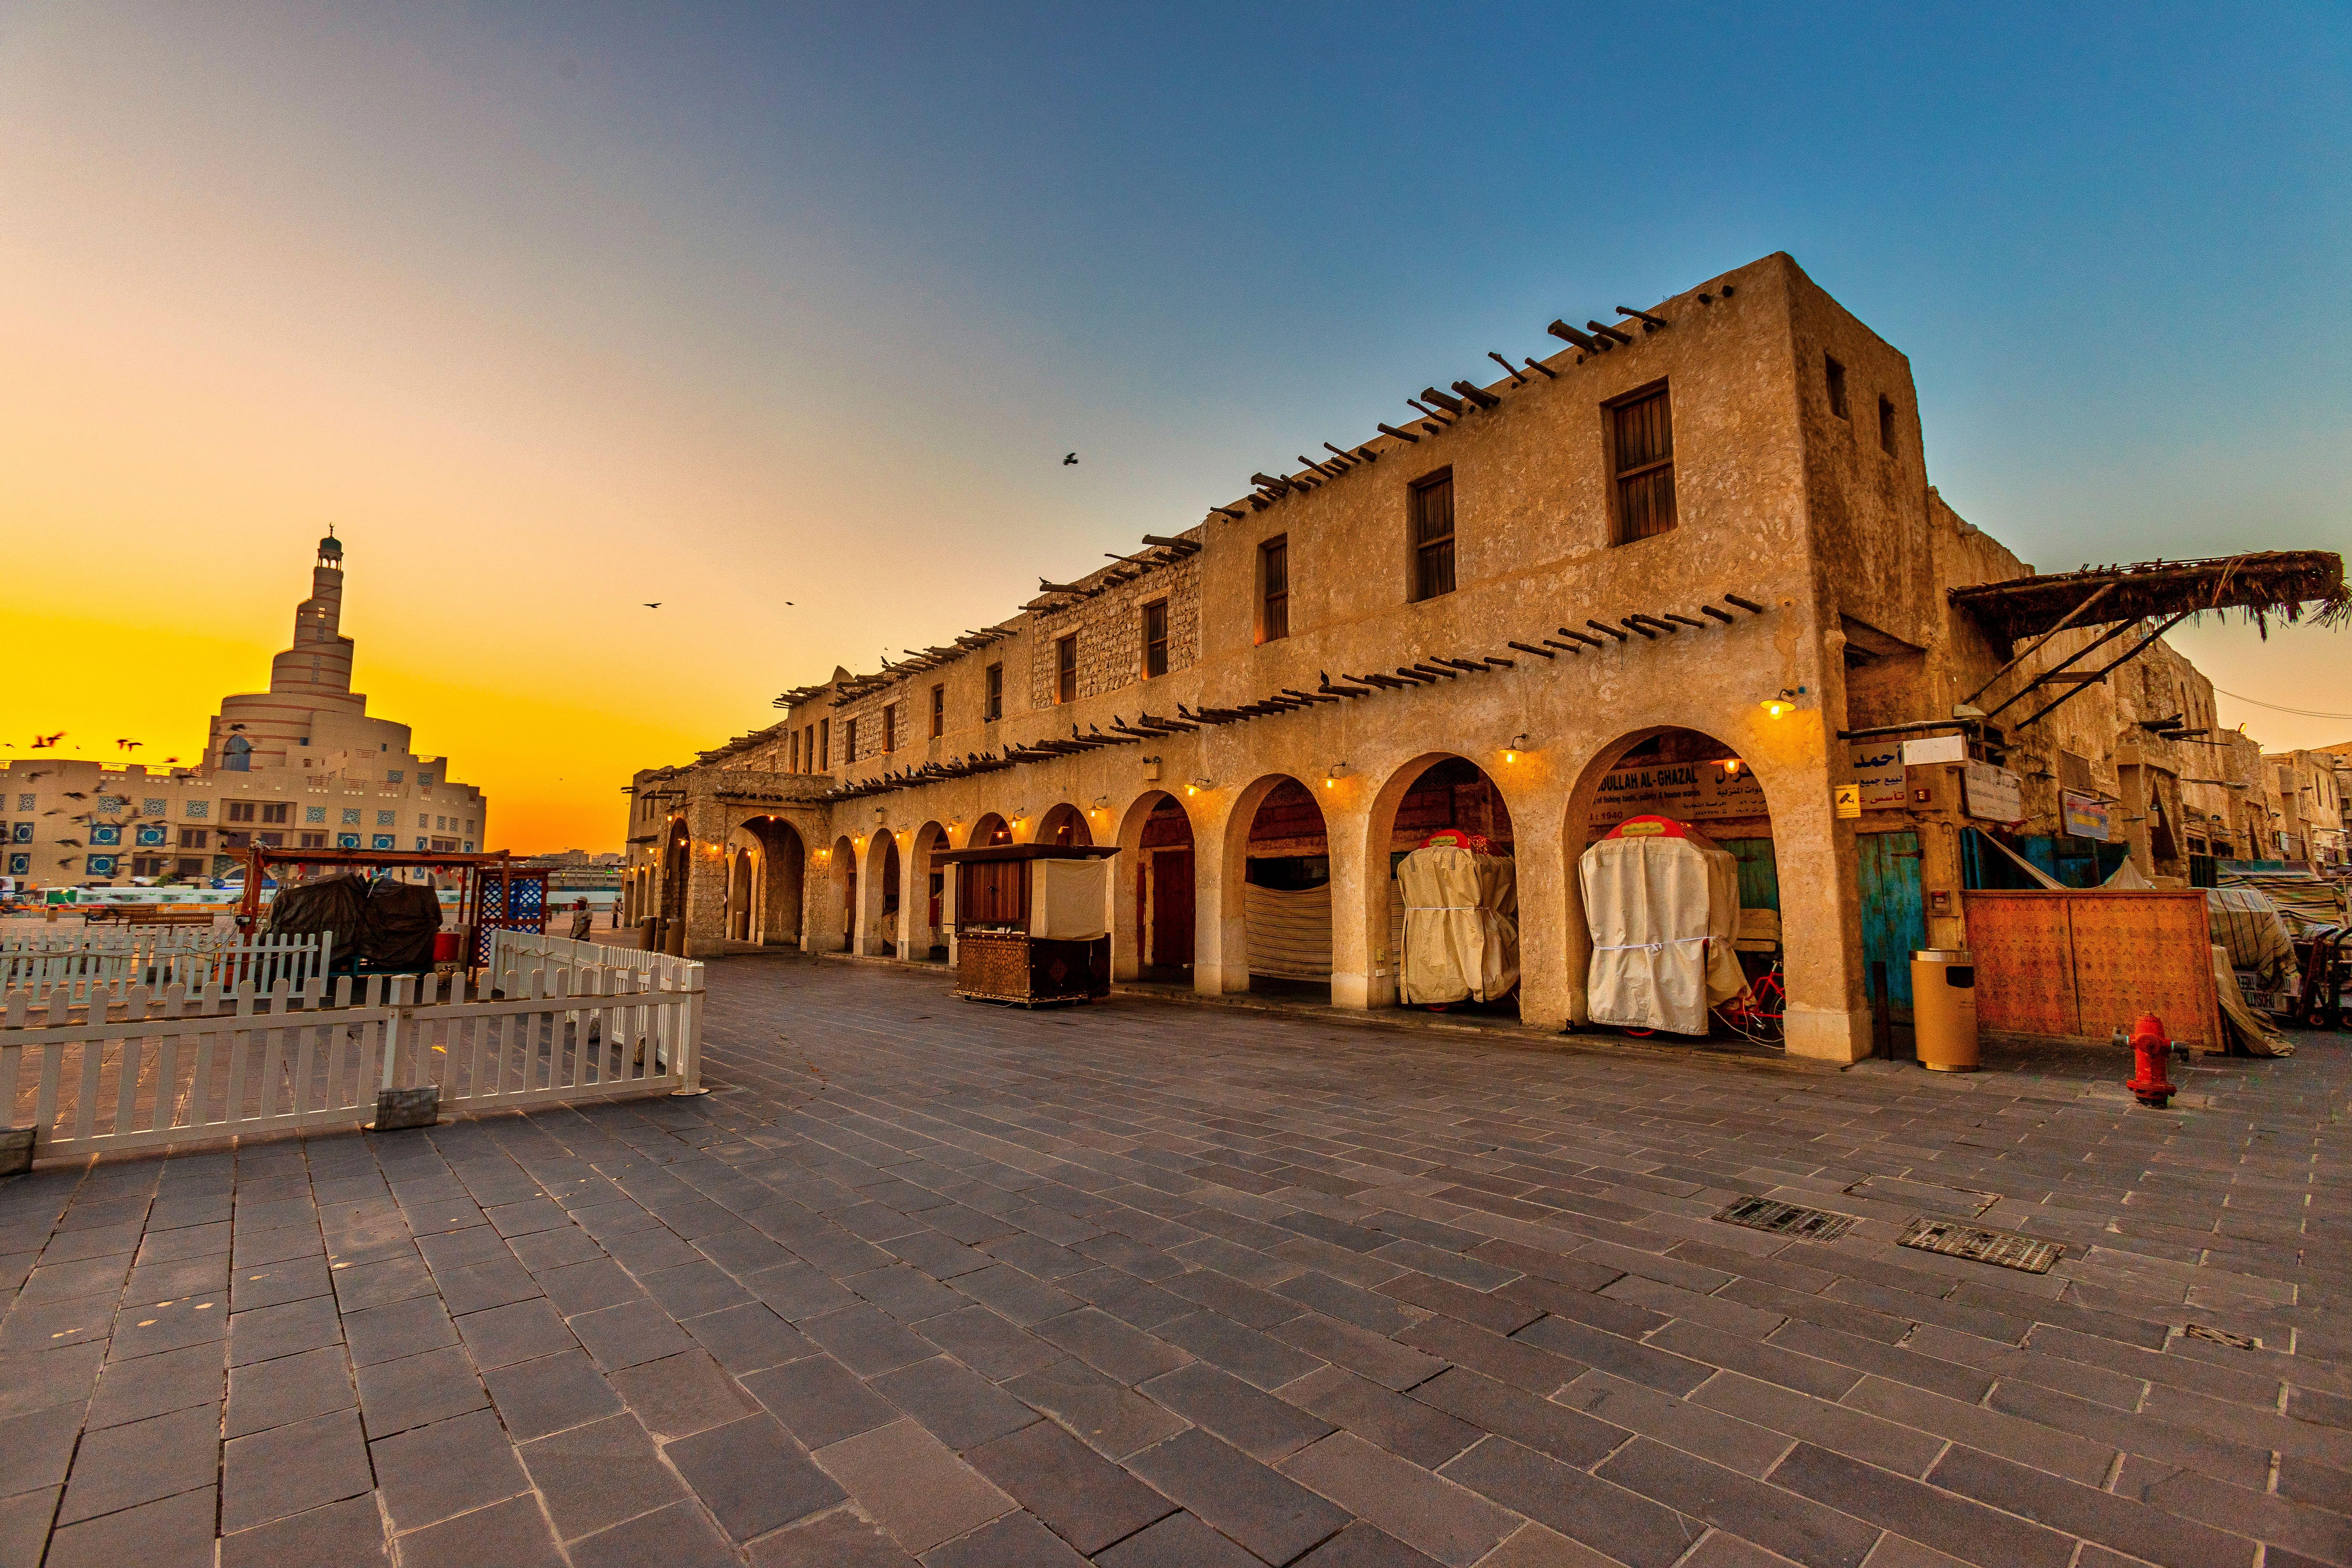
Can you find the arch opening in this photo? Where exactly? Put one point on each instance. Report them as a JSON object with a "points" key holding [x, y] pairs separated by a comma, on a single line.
{"points": [[1285, 892], [884, 867], [1704, 784], [1155, 903], [1430, 796], [838, 922], [990, 830], [1064, 824], [779, 860]]}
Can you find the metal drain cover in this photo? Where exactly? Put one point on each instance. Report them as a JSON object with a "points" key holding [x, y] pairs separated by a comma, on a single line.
{"points": [[1787, 1219], [2031, 1254]]}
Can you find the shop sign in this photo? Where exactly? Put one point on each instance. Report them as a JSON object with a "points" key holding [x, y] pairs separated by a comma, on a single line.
{"points": [[1936, 749], [1878, 772], [2085, 814], [1687, 792], [1993, 794]]}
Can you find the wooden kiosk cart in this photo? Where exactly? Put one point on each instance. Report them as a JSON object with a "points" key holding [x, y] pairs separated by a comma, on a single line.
{"points": [[1032, 923]]}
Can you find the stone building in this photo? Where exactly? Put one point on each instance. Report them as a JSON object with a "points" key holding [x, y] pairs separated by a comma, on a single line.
{"points": [[1691, 563], [301, 765], [2308, 803]]}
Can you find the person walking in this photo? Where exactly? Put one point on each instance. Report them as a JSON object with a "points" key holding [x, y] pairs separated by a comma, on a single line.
{"points": [[583, 921]]}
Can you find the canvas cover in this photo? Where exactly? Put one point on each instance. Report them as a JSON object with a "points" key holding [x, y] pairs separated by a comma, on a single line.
{"points": [[316, 908], [2306, 902], [1461, 926], [2250, 928], [1289, 932], [2248, 1030], [1069, 900], [397, 926], [1663, 905]]}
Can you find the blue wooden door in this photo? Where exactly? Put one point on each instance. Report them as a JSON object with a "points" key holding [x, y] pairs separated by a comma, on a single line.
{"points": [[1759, 873], [1894, 914]]}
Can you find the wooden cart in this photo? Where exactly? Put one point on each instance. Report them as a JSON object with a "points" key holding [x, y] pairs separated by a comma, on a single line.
{"points": [[1002, 955]]}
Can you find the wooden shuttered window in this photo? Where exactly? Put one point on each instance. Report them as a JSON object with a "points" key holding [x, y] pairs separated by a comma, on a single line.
{"points": [[993, 892], [1432, 536], [1274, 602], [1155, 639], [939, 711], [994, 708], [890, 727], [848, 742], [1643, 442], [1066, 669]]}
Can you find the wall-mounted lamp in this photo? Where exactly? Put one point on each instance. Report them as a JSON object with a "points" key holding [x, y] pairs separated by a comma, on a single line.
{"points": [[1516, 747], [1731, 767], [1335, 772], [1785, 703], [1197, 785]]}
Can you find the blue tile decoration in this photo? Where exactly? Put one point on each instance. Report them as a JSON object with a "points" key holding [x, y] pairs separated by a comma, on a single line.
{"points": [[196, 807], [382, 841], [314, 814], [347, 840]]}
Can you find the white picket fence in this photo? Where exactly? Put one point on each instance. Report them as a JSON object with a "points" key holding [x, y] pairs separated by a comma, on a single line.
{"points": [[218, 960], [150, 1066]]}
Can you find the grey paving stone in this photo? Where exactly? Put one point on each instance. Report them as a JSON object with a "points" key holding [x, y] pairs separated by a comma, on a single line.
{"points": [[820, 1400], [36, 1449], [1124, 1353], [350, 1533], [593, 1477], [2093, 1515], [1620, 1524], [415, 1391], [1383, 1361], [1415, 1430], [291, 1388], [1180, 1540], [837, 1540], [1112, 1419], [1800, 1528], [268, 1332], [753, 1477], [988, 1343], [522, 1331], [512, 1535], [293, 1468], [403, 1329], [955, 1405], [436, 1473], [681, 1395], [141, 1462], [1265, 1511], [172, 1532], [1086, 1500], [678, 1536]]}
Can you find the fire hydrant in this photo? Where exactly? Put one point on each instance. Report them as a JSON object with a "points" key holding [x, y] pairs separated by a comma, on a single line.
{"points": [[2148, 1040]]}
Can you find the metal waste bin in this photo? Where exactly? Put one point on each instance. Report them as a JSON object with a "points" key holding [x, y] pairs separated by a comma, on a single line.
{"points": [[1944, 1009]]}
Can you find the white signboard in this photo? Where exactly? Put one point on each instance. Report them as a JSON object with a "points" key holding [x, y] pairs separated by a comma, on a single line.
{"points": [[1994, 794], [1936, 749]]}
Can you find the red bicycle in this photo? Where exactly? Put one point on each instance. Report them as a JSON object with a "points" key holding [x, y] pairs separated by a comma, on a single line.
{"points": [[1755, 1015]]}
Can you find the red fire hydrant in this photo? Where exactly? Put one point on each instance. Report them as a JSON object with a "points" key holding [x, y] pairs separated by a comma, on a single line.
{"points": [[2149, 1039]]}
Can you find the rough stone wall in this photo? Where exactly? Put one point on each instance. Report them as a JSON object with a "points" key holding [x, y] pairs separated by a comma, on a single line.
{"points": [[1109, 629]]}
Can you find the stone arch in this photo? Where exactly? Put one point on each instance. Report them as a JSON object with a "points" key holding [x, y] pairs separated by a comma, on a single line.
{"points": [[834, 915], [1279, 938], [743, 867], [1686, 774], [1155, 903], [1435, 790], [927, 906], [1063, 824], [883, 870], [777, 912], [678, 865], [990, 829]]}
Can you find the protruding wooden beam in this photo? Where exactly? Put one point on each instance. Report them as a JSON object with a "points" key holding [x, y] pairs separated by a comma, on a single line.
{"points": [[1562, 329], [1750, 605], [1599, 626], [1563, 646], [1451, 404], [1713, 613], [1580, 636], [1518, 378], [1600, 330], [1685, 620], [1530, 648], [1542, 369], [1477, 395], [1400, 435], [1647, 319]]}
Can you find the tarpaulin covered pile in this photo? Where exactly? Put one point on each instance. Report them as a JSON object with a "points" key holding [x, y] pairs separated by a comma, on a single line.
{"points": [[383, 925], [2251, 929], [1070, 899], [2306, 902], [2248, 1030], [1663, 904], [317, 909], [1289, 932], [1461, 925]]}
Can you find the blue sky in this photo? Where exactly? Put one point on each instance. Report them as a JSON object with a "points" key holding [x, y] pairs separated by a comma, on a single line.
{"points": [[556, 310]]}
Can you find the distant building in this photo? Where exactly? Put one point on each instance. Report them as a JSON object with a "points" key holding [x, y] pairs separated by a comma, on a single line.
{"points": [[300, 765]]}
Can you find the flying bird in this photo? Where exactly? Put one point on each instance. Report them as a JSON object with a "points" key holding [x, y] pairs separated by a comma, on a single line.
{"points": [[75, 794], [41, 741], [130, 745], [171, 759], [1069, 459]]}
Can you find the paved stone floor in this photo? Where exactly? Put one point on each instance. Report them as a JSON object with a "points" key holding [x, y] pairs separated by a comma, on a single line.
{"points": [[1149, 1285]]}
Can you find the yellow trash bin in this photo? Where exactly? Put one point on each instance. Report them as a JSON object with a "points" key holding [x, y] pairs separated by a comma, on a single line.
{"points": [[1944, 1009]]}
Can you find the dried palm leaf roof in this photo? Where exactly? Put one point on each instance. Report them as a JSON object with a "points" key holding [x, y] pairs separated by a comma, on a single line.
{"points": [[2287, 584]]}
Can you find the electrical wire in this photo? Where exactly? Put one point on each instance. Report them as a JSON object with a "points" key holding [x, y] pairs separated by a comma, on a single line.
{"points": [[2304, 712]]}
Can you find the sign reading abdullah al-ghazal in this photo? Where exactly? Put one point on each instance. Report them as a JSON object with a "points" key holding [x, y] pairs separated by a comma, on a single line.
{"points": [[1687, 792], [2085, 814]]}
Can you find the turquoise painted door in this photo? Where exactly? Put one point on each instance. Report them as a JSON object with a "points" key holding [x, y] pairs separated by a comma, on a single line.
{"points": [[1759, 873], [1894, 915]]}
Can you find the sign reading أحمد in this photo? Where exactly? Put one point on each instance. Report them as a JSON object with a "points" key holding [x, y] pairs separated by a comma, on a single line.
{"points": [[1993, 794], [1878, 772], [2085, 814], [1687, 792]]}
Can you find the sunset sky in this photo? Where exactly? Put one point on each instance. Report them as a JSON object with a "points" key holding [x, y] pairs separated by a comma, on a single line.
{"points": [[555, 311]]}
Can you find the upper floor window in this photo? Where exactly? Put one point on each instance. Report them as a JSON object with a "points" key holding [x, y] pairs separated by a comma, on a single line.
{"points": [[796, 751], [824, 745], [939, 711], [848, 742], [1835, 375], [1886, 426], [1432, 535], [891, 726], [240, 811], [1155, 639], [1273, 588], [993, 708], [1643, 444], [1065, 669]]}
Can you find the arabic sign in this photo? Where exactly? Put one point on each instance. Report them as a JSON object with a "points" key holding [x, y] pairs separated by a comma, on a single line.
{"points": [[2085, 814], [1993, 793], [1878, 770]]}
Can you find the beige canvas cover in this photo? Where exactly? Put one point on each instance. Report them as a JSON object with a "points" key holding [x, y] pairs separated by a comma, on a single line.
{"points": [[1289, 932], [1663, 913], [2253, 932], [1461, 926], [1069, 900], [2249, 1030]]}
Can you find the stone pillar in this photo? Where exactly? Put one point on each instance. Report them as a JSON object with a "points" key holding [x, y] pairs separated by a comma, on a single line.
{"points": [[1220, 913], [1360, 907], [866, 936], [705, 880], [1828, 1017], [1541, 862]]}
